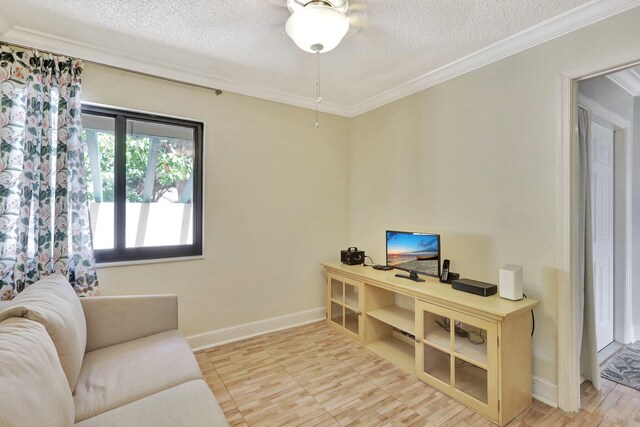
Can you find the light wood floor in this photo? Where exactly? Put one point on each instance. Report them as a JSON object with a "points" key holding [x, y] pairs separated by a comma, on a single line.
{"points": [[313, 376]]}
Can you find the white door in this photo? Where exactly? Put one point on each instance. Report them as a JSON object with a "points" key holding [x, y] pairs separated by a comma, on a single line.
{"points": [[601, 160]]}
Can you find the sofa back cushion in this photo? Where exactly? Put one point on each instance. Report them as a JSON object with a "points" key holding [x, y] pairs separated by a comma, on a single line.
{"points": [[33, 388], [54, 304]]}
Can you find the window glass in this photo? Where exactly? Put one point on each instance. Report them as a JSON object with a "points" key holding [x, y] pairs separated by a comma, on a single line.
{"points": [[98, 134], [159, 184], [144, 182]]}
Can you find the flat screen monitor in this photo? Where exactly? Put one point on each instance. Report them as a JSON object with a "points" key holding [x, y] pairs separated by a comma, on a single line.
{"points": [[419, 252]]}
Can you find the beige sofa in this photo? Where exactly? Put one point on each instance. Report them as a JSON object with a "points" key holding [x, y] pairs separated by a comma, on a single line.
{"points": [[103, 361]]}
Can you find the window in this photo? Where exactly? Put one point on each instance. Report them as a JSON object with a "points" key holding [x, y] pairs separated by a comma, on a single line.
{"points": [[144, 179]]}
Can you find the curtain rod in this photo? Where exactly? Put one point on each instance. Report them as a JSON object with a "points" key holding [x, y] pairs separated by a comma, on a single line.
{"points": [[20, 46]]}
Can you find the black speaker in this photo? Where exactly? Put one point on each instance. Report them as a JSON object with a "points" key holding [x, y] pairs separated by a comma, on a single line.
{"points": [[352, 256], [475, 287]]}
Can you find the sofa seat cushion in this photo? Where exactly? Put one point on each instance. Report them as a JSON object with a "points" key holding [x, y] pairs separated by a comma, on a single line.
{"points": [[120, 374], [53, 303], [189, 404], [33, 388]]}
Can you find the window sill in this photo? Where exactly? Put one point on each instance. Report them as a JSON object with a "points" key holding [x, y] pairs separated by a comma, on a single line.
{"points": [[147, 261]]}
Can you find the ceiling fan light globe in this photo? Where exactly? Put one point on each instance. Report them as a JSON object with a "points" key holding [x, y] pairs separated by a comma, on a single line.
{"points": [[317, 24]]}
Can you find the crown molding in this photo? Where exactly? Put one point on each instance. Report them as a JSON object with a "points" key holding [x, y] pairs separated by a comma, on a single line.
{"points": [[589, 13], [628, 80], [572, 20], [38, 40]]}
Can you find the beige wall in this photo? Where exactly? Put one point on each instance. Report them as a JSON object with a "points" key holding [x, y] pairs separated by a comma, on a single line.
{"points": [[476, 159], [276, 203]]}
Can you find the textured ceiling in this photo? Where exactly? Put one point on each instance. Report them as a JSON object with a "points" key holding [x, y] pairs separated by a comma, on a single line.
{"points": [[390, 41]]}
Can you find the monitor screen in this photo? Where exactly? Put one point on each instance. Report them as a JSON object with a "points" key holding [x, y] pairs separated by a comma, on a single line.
{"points": [[419, 252]]}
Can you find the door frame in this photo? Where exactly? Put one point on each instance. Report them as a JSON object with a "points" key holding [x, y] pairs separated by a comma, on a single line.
{"points": [[622, 323], [569, 310]]}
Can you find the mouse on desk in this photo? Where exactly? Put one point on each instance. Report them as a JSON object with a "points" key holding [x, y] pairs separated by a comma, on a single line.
{"points": [[382, 267]]}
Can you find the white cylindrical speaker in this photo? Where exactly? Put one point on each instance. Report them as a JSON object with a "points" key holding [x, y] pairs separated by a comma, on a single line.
{"points": [[510, 285]]}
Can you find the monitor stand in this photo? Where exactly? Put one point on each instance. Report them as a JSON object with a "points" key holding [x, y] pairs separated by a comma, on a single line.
{"points": [[411, 276]]}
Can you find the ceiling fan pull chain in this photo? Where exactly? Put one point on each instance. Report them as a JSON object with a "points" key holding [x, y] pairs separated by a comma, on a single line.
{"points": [[318, 97]]}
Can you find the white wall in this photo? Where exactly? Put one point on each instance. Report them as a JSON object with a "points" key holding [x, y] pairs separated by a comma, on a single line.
{"points": [[477, 159], [148, 224], [276, 203], [609, 95]]}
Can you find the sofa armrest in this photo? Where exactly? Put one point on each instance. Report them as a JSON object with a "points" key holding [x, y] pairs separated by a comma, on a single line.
{"points": [[118, 319]]}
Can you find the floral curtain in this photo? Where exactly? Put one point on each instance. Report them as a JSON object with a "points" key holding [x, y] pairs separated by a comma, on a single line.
{"points": [[44, 213]]}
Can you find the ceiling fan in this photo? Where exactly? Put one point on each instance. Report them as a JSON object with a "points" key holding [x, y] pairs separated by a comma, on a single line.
{"points": [[356, 13], [317, 26]]}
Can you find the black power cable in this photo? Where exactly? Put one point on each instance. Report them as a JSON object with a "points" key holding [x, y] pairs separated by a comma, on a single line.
{"points": [[461, 332], [533, 319]]}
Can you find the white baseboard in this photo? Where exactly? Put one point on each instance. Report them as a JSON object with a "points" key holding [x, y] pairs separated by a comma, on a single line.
{"points": [[635, 333], [248, 330], [545, 392]]}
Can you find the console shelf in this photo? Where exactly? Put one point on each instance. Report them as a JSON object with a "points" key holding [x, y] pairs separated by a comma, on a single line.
{"points": [[484, 358], [401, 353], [397, 317], [476, 354], [438, 338]]}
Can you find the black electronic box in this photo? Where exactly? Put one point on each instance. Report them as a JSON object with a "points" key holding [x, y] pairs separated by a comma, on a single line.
{"points": [[474, 287], [352, 256]]}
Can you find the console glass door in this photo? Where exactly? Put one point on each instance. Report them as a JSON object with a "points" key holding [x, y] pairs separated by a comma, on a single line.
{"points": [[344, 302], [475, 352]]}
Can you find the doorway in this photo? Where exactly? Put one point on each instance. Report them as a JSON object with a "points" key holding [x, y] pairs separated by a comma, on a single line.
{"points": [[612, 113], [610, 194], [571, 268]]}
